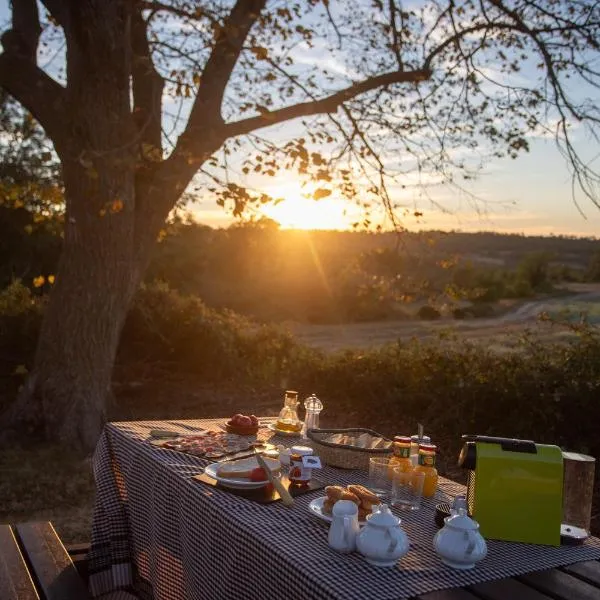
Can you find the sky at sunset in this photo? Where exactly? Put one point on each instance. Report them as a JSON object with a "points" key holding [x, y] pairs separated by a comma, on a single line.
{"points": [[530, 195]]}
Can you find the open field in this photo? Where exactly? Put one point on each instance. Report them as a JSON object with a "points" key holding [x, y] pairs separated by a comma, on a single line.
{"points": [[499, 332]]}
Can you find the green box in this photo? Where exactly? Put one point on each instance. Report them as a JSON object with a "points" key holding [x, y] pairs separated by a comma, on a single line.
{"points": [[517, 496]]}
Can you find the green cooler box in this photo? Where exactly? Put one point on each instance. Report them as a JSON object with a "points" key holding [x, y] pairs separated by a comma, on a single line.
{"points": [[514, 489]]}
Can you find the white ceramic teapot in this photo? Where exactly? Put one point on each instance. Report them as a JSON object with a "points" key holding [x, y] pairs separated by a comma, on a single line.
{"points": [[382, 541], [459, 542]]}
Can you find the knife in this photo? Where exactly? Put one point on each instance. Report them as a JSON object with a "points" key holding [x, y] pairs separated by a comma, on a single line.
{"points": [[286, 497], [239, 454]]}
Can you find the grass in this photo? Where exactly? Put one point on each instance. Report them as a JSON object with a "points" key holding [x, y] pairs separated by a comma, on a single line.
{"points": [[46, 484]]}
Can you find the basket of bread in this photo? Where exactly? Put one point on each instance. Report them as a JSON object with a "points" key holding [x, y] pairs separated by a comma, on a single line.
{"points": [[349, 448]]}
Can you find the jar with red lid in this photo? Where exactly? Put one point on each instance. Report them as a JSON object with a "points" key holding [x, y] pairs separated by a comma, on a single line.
{"points": [[299, 474]]}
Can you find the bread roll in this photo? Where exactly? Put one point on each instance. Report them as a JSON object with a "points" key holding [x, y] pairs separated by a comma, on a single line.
{"points": [[367, 498], [334, 491], [328, 506], [363, 513], [350, 496]]}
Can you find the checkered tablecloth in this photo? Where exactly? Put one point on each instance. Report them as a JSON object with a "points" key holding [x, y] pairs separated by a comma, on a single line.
{"points": [[169, 537]]}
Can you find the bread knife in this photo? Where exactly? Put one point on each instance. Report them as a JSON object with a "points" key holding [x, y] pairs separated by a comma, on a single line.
{"points": [[231, 456], [286, 497]]}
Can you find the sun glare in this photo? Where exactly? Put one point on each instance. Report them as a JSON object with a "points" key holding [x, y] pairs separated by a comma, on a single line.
{"points": [[296, 211]]}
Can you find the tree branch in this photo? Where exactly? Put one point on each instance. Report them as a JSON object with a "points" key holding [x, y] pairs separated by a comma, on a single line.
{"points": [[204, 131], [328, 104], [58, 10], [219, 66], [20, 76], [198, 13], [147, 87], [22, 39], [460, 34]]}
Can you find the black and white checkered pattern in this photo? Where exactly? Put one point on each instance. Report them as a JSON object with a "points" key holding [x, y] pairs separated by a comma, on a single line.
{"points": [[169, 537]]}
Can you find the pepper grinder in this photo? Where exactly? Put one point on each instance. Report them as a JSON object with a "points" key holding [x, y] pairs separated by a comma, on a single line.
{"points": [[313, 407]]}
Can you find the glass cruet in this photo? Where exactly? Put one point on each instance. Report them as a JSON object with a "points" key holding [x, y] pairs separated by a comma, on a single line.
{"points": [[288, 416], [313, 407]]}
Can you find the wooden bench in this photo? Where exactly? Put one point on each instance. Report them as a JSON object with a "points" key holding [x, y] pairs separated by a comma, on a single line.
{"points": [[580, 581], [34, 565]]}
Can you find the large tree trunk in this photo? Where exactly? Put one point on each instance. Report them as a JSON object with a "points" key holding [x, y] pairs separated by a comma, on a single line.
{"points": [[64, 398]]}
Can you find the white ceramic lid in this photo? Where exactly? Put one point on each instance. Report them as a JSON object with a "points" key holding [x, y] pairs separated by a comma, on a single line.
{"points": [[383, 517], [461, 521]]}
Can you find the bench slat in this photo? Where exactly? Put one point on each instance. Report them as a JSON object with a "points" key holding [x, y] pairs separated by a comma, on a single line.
{"points": [[506, 588], [589, 570], [561, 586], [15, 582], [49, 562], [74, 549]]}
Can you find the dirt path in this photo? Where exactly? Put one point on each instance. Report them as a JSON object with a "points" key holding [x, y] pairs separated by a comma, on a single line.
{"points": [[499, 332]]}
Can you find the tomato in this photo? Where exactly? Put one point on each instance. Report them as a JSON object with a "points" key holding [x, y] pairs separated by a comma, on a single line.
{"points": [[258, 474]]}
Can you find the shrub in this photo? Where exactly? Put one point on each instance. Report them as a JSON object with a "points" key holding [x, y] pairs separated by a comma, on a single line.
{"points": [[545, 391], [428, 313], [20, 319], [480, 311], [164, 326]]}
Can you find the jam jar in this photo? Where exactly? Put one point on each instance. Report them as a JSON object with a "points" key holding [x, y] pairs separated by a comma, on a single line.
{"points": [[299, 474]]}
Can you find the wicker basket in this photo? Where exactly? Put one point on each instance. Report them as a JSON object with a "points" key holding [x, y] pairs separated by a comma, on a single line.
{"points": [[343, 456]]}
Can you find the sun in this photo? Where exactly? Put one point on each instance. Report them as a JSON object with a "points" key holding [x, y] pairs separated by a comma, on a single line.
{"points": [[296, 211]]}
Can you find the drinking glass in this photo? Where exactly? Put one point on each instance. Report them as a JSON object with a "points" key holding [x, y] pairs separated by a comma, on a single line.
{"points": [[380, 476], [407, 489]]}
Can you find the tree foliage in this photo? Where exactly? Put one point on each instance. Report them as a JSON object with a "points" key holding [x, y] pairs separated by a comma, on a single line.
{"points": [[31, 200], [146, 99], [387, 96]]}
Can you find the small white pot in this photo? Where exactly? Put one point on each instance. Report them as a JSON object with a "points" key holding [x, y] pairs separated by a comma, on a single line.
{"points": [[382, 541], [459, 543]]}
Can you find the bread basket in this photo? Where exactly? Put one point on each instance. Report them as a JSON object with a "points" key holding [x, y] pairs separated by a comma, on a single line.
{"points": [[344, 456]]}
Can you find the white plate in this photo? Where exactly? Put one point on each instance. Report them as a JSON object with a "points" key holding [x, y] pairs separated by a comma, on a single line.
{"points": [[316, 507], [272, 427], [240, 484]]}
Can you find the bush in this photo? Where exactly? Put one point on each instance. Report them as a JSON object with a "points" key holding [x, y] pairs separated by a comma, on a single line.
{"points": [[428, 313], [544, 391], [465, 388], [20, 319], [480, 311], [164, 326]]}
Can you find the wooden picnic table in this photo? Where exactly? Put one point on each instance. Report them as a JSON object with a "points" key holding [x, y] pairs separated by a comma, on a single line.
{"points": [[161, 532]]}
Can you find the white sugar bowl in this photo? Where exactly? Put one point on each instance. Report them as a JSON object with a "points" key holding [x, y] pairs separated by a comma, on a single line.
{"points": [[382, 541], [459, 543]]}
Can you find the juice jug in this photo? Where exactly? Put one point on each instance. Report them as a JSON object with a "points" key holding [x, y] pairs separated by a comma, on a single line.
{"points": [[288, 416]]}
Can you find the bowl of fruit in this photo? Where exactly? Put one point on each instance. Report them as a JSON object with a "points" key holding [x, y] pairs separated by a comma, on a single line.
{"points": [[242, 424]]}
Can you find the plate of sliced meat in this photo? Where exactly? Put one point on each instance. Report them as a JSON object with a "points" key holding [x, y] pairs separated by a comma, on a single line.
{"points": [[206, 444]]}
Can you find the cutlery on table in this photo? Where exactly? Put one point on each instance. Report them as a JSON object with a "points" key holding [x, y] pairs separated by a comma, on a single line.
{"points": [[184, 426], [163, 433]]}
